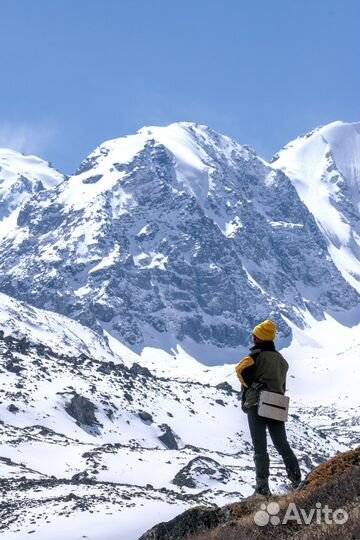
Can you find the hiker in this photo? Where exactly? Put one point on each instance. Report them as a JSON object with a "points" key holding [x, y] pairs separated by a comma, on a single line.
{"points": [[265, 368]]}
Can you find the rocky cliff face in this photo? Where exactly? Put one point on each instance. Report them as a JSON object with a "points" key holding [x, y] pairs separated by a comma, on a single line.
{"points": [[174, 235]]}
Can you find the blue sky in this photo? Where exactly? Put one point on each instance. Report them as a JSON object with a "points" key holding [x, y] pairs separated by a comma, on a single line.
{"points": [[78, 72]]}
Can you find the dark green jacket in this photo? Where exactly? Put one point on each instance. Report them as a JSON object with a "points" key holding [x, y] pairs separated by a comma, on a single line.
{"points": [[265, 365]]}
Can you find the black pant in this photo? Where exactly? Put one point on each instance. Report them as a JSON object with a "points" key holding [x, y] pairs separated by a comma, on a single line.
{"points": [[258, 425]]}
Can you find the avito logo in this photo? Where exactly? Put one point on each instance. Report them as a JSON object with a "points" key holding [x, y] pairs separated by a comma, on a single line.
{"points": [[320, 514]]}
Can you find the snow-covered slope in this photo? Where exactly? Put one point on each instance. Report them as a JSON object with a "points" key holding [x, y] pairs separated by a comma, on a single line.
{"points": [[324, 167], [20, 178], [48, 329], [86, 433], [175, 236]]}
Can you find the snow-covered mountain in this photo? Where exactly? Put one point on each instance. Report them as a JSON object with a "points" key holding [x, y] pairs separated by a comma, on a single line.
{"points": [[174, 235], [20, 178], [324, 167], [96, 445]]}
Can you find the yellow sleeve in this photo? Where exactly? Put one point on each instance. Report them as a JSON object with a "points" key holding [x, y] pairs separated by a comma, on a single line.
{"points": [[245, 363]]}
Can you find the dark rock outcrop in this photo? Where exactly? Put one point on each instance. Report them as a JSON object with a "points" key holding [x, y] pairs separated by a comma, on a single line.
{"points": [[145, 417], [168, 437], [226, 387], [82, 409], [13, 408], [80, 477], [193, 521], [201, 465], [136, 369]]}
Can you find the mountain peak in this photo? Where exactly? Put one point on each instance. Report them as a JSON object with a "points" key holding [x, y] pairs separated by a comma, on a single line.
{"points": [[335, 134], [324, 167], [187, 126], [15, 164], [338, 125], [20, 177], [194, 150], [178, 137]]}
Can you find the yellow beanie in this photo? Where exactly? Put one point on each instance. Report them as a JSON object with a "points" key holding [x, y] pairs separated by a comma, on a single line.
{"points": [[265, 331]]}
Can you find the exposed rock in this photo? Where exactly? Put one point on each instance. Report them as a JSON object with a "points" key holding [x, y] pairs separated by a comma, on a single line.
{"points": [[13, 408], [145, 416], [136, 369], [168, 437], [92, 179], [82, 409], [199, 467], [220, 402], [13, 367], [193, 521], [80, 477], [157, 395], [225, 386], [128, 397]]}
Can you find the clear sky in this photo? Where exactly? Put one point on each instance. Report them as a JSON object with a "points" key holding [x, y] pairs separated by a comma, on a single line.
{"points": [[77, 72]]}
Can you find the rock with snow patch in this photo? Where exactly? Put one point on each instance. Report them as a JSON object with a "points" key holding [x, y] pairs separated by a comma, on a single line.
{"points": [[199, 471], [136, 369], [13, 408], [226, 387], [168, 437], [82, 409], [145, 417], [193, 521]]}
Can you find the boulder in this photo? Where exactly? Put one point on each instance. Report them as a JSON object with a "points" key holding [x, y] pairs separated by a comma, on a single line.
{"points": [[145, 417], [192, 475], [193, 521], [82, 409], [168, 437]]}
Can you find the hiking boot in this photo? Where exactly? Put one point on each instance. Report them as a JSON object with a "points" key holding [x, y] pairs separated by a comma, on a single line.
{"points": [[293, 470], [262, 487], [295, 482]]}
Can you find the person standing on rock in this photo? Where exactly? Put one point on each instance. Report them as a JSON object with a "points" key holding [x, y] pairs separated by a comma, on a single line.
{"points": [[265, 368]]}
